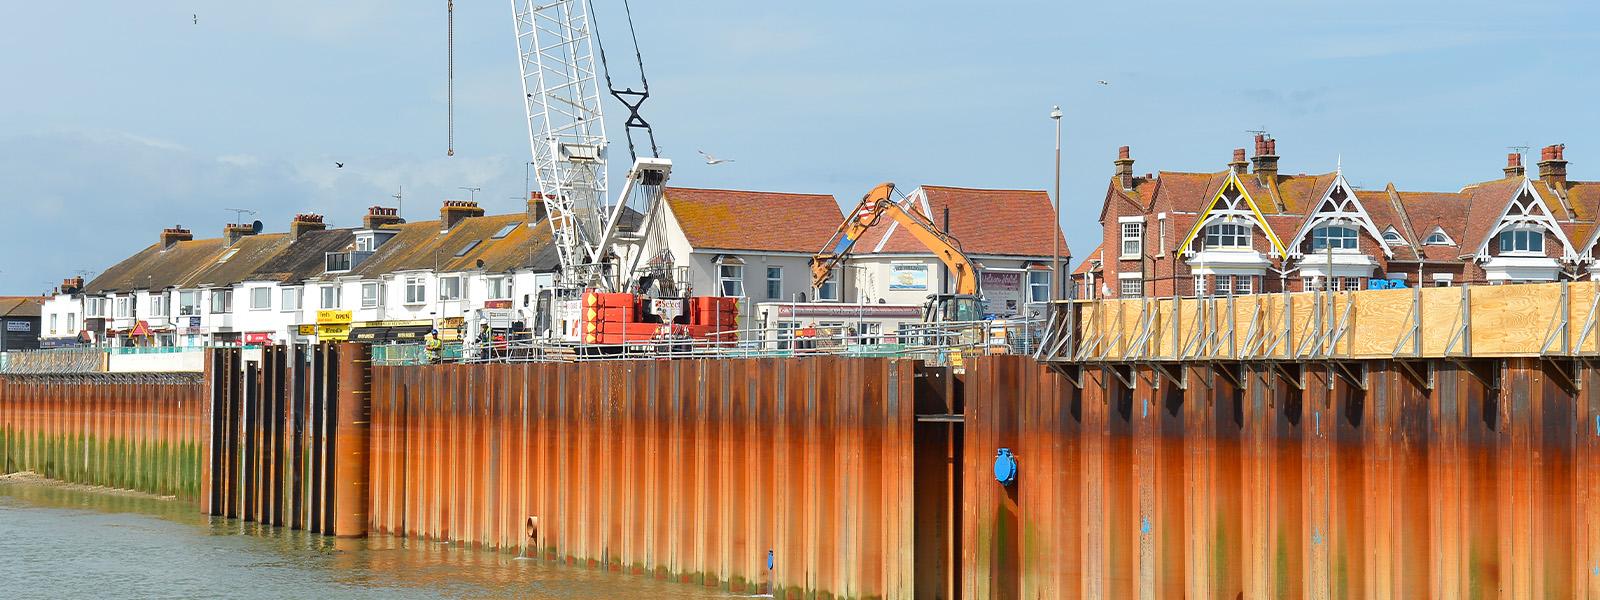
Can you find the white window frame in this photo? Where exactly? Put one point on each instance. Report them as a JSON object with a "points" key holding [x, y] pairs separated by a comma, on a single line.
{"points": [[364, 243], [450, 288], [1131, 235], [831, 288], [1222, 285], [1349, 240], [774, 284], [1438, 237], [122, 307], [499, 288], [1214, 238], [416, 290], [371, 294], [158, 304], [72, 319], [1392, 236], [330, 296], [1130, 283], [1039, 291], [289, 299], [189, 303], [1243, 285], [1443, 279], [259, 293], [223, 298], [55, 322], [1523, 237], [730, 280]]}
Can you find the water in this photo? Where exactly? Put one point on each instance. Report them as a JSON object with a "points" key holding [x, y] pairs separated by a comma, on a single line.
{"points": [[67, 543]]}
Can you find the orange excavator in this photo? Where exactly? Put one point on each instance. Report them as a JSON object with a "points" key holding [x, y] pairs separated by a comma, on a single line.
{"points": [[963, 305]]}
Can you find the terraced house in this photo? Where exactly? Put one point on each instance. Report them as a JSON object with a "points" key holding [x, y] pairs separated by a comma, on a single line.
{"points": [[1249, 228]]}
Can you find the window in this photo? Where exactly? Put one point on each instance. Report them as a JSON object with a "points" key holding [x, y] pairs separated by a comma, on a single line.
{"points": [[122, 307], [1442, 279], [1132, 288], [1522, 241], [499, 288], [337, 262], [1337, 237], [331, 296], [786, 330], [1222, 285], [774, 283], [450, 288], [260, 298], [1437, 238], [370, 297], [730, 278], [1392, 236], [72, 321], [829, 290], [221, 302], [188, 303], [1227, 235], [158, 305], [1199, 285], [416, 292], [289, 300], [54, 323], [1132, 239], [505, 231], [1244, 284], [1038, 286], [227, 255], [364, 243], [468, 248]]}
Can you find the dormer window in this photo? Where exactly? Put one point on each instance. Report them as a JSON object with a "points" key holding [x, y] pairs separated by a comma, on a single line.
{"points": [[1227, 236], [1522, 241], [1392, 236], [1438, 238], [364, 243], [1335, 237]]}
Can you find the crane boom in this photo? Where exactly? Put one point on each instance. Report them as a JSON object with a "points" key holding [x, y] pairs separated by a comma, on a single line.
{"points": [[873, 207]]}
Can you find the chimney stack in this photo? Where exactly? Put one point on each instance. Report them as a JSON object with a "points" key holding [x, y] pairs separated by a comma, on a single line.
{"points": [[1239, 164], [1124, 168], [537, 211], [71, 285], [1266, 159], [237, 231], [173, 235], [378, 216], [304, 223], [454, 211], [1553, 165], [1514, 166]]}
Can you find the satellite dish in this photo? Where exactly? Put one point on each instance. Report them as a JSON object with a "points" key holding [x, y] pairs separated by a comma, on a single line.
{"points": [[256, 226], [480, 263]]}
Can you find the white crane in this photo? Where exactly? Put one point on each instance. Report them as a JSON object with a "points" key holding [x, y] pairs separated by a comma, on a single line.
{"points": [[567, 134]]}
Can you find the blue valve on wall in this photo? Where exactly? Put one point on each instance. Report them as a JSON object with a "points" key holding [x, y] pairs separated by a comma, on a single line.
{"points": [[1005, 467]]}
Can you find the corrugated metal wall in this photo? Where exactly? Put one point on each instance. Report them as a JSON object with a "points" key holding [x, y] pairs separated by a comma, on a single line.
{"points": [[1263, 481], [691, 470], [141, 432]]}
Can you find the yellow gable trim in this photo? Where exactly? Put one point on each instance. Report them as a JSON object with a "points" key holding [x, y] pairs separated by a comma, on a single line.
{"points": [[1233, 179]]}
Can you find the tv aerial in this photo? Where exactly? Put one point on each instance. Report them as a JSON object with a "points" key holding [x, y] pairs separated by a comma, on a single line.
{"points": [[239, 213]]}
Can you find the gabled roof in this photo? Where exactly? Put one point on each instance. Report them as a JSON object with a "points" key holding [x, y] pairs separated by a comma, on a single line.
{"points": [[987, 222], [422, 246], [240, 259], [303, 259], [21, 306], [154, 268], [1093, 263], [758, 221]]}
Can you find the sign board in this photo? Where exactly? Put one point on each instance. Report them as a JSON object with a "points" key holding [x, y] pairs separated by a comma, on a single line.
{"points": [[334, 316], [668, 309], [19, 326], [192, 330], [194, 321], [908, 277], [1003, 290], [336, 332], [309, 329], [497, 304], [865, 311], [258, 337], [140, 328]]}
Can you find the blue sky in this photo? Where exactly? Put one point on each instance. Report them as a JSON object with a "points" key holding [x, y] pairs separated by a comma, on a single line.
{"points": [[122, 118]]}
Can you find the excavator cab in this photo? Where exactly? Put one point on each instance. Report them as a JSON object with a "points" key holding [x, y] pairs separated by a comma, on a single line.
{"points": [[952, 308]]}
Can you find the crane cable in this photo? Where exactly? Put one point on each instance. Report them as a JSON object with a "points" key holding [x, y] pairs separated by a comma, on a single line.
{"points": [[450, 76], [629, 98]]}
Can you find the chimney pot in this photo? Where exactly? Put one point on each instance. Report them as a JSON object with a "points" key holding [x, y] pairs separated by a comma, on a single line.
{"points": [[237, 231], [1124, 171], [1266, 159], [1553, 167], [172, 235], [378, 216], [304, 223], [1122, 153], [454, 211], [537, 211]]}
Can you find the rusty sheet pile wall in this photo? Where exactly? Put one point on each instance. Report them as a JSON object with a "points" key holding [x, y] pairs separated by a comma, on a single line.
{"points": [[140, 432], [1211, 481], [690, 470]]}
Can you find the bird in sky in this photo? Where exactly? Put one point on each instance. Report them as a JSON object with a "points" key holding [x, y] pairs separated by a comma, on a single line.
{"points": [[712, 160], [196, 19], [1103, 82], [338, 165]]}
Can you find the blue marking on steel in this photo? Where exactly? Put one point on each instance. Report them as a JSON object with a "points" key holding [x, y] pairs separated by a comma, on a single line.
{"points": [[1146, 410], [1144, 525], [1005, 467]]}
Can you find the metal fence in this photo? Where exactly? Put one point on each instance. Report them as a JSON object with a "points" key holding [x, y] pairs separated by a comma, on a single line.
{"points": [[53, 361]]}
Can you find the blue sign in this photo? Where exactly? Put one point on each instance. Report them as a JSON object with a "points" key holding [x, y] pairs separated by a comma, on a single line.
{"points": [[1386, 284]]}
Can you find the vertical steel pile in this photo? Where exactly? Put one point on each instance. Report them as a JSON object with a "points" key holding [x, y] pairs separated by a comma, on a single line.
{"points": [[1383, 479], [140, 432], [689, 470]]}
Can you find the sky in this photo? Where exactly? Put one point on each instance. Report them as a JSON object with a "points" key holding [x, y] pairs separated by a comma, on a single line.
{"points": [[120, 118]]}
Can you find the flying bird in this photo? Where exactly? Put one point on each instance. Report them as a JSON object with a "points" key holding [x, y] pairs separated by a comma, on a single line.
{"points": [[196, 19], [338, 165], [712, 160], [1102, 82]]}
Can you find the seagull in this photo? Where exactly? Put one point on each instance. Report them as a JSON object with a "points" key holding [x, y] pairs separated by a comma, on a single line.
{"points": [[712, 160], [1102, 82], [338, 165], [196, 19]]}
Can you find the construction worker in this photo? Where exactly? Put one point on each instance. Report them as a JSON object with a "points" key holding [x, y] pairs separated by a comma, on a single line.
{"points": [[433, 345]]}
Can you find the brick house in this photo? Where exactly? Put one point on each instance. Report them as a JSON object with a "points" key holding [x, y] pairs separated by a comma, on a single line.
{"points": [[1250, 228]]}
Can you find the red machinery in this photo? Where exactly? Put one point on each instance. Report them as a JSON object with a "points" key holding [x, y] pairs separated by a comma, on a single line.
{"points": [[622, 318]]}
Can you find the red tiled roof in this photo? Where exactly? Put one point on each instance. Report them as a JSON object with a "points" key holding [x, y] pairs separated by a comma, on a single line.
{"points": [[987, 222], [762, 221], [1442, 210], [1092, 263], [1485, 202]]}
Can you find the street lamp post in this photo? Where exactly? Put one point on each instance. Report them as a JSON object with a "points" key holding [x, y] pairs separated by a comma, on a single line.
{"points": [[1055, 210]]}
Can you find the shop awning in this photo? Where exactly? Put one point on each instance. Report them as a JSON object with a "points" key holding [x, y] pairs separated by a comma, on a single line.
{"points": [[369, 335], [404, 334], [410, 333]]}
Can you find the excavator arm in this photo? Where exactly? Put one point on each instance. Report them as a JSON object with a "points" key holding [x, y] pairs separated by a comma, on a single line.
{"points": [[873, 208]]}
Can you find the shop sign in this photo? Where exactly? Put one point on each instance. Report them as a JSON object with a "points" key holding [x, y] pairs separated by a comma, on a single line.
{"points": [[309, 329], [334, 316], [336, 332], [258, 337], [908, 277], [19, 326]]}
